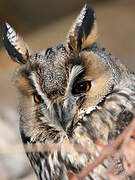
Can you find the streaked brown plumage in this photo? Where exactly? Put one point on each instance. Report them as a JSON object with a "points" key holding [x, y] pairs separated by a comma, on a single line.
{"points": [[71, 96]]}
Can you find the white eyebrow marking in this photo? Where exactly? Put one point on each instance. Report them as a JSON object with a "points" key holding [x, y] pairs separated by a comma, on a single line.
{"points": [[39, 91], [76, 70]]}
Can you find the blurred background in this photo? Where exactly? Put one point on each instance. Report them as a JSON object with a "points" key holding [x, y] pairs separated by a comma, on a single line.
{"points": [[42, 24]]}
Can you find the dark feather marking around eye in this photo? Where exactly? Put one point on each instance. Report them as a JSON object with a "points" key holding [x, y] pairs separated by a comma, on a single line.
{"points": [[79, 77]]}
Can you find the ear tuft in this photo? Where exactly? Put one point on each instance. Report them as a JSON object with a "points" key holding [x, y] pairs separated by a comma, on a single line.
{"points": [[83, 32], [14, 44]]}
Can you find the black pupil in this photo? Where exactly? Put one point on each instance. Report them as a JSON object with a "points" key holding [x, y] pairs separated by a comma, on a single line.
{"points": [[38, 97], [81, 87]]}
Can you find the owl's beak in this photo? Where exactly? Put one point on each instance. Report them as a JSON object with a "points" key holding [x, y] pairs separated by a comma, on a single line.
{"points": [[63, 116]]}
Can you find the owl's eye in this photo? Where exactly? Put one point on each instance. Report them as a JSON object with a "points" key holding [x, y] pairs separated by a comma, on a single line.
{"points": [[37, 98], [81, 87]]}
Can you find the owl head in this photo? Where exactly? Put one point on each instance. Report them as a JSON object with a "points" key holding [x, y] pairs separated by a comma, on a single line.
{"points": [[58, 85]]}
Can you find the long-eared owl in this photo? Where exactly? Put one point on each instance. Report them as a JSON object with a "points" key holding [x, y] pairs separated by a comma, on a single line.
{"points": [[71, 96]]}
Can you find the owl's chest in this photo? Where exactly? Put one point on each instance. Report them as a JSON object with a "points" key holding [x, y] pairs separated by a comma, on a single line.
{"points": [[58, 164], [72, 156]]}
